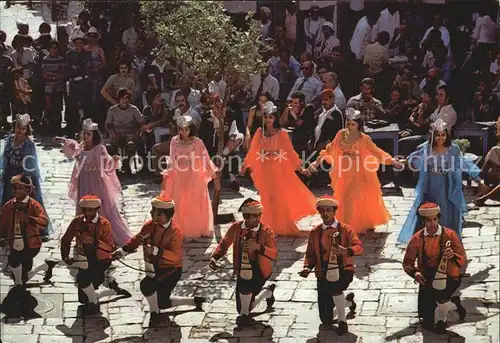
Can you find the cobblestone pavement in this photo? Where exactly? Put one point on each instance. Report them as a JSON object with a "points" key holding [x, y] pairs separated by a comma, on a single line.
{"points": [[385, 295], [39, 14]]}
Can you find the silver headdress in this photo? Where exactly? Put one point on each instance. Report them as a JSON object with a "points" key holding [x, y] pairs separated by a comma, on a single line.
{"points": [[184, 121], [24, 119], [269, 108], [439, 126], [352, 114], [88, 125]]}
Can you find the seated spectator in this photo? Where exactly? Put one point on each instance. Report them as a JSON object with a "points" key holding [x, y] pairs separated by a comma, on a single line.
{"points": [[406, 81], [300, 117], [288, 71], [123, 124], [444, 110], [118, 81], [308, 84], [490, 172], [183, 108], [370, 107], [330, 81], [192, 95], [264, 82], [325, 43], [159, 120], [418, 122], [254, 120], [432, 79], [485, 104], [397, 110]]}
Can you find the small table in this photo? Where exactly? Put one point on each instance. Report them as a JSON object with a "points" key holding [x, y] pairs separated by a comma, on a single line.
{"points": [[479, 129], [387, 132]]}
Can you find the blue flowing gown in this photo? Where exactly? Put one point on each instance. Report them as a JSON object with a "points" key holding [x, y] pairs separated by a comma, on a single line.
{"points": [[440, 181], [12, 164]]}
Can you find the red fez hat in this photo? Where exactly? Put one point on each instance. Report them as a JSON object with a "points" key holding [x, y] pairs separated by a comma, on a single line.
{"points": [[327, 93], [429, 209], [326, 201], [90, 201]]}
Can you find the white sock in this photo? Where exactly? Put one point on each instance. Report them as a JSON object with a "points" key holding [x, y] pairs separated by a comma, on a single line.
{"points": [[36, 270], [245, 300], [441, 312], [264, 294], [179, 301], [153, 303], [339, 301], [452, 306], [106, 293], [18, 274], [90, 293], [232, 177]]}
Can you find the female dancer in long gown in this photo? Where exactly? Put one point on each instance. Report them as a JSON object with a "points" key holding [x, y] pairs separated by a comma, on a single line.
{"points": [[19, 157], [440, 167], [273, 163], [186, 181], [355, 160], [95, 173]]}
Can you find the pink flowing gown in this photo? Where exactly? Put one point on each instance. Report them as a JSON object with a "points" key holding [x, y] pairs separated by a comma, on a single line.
{"points": [[185, 181], [95, 173]]}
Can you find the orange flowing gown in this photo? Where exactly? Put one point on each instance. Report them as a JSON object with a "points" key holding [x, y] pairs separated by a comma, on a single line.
{"points": [[355, 183], [285, 198]]}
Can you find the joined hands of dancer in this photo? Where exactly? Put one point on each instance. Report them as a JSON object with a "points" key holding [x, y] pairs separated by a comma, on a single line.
{"points": [[61, 140]]}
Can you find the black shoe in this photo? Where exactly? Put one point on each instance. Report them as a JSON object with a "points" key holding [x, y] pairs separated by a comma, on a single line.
{"points": [[350, 297], [235, 186], [460, 309], [50, 266], [91, 309], [270, 301], [342, 329], [113, 285], [155, 319], [45, 239], [199, 303], [440, 327], [244, 320]]}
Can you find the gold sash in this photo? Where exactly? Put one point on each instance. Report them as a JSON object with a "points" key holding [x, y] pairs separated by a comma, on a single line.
{"points": [[333, 272], [439, 282], [18, 243], [246, 271]]}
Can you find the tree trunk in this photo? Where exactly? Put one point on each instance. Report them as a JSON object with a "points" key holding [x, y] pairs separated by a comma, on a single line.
{"points": [[220, 149]]}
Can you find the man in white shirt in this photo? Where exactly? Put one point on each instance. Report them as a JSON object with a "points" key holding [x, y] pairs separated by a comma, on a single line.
{"points": [[193, 95], [362, 35], [263, 83], [312, 28], [389, 20], [130, 37], [184, 109], [326, 42], [438, 25], [484, 36]]}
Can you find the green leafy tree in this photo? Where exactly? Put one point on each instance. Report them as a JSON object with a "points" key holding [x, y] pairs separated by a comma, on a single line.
{"points": [[201, 36]]}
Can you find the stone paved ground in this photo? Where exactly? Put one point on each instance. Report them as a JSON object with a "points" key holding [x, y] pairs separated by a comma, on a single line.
{"points": [[386, 297]]}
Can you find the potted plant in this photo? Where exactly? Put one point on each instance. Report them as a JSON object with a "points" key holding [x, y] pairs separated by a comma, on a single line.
{"points": [[463, 145]]}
